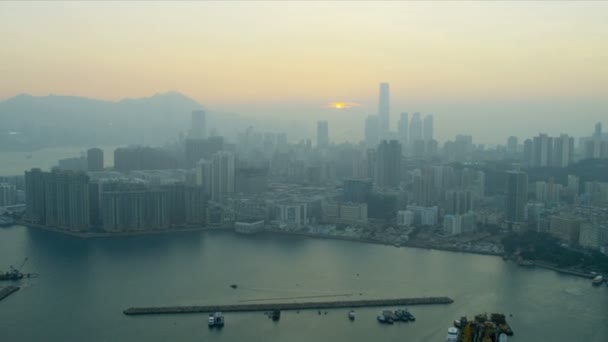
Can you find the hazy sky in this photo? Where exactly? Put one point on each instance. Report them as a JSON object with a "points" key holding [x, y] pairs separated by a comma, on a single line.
{"points": [[486, 68]]}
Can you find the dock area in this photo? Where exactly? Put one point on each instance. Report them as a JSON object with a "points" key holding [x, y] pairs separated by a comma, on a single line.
{"points": [[288, 306], [7, 291]]}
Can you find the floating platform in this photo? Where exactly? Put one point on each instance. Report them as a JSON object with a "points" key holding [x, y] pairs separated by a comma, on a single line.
{"points": [[7, 291], [288, 306]]}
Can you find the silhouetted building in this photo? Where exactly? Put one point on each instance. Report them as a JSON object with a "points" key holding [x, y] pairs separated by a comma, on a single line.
{"points": [[357, 190], [217, 176], [142, 158], [8, 194], [388, 164], [427, 128], [322, 134], [59, 199], [94, 159], [198, 129], [251, 180], [384, 110], [415, 128], [372, 131], [516, 196], [403, 130], [512, 145], [197, 149]]}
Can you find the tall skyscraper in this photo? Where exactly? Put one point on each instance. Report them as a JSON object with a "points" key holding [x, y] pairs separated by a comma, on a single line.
{"points": [[427, 131], [372, 130], [388, 164], [94, 159], [598, 130], [542, 150], [512, 145], [403, 129], [517, 196], [198, 129], [563, 150], [384, 110], [322, 134], [528, 152], [415, 128], [217, 176]]}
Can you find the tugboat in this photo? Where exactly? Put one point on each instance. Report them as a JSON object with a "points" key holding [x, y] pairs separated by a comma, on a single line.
{"points": [[386, 317], [351, 315], [219, 319], [15, 274], [597, 281], [12, 274], [452, 335], [276, 315]]}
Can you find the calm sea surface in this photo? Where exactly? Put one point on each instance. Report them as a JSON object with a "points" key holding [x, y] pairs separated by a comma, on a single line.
{"points": [[85, 284]]}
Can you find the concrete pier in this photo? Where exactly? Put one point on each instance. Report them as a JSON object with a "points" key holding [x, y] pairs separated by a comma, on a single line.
{"points": [[7, 291], [288, 306]]}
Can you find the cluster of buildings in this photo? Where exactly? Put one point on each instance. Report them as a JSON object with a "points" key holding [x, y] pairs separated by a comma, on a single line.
{"points": [[393, 181]]}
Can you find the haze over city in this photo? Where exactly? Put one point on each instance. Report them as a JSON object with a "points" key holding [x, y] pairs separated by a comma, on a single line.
{"points": [[479, 67], [345, 171]]}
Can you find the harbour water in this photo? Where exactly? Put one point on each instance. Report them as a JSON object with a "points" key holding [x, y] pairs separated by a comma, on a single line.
{"points": [[85, 284], [15, 163]]}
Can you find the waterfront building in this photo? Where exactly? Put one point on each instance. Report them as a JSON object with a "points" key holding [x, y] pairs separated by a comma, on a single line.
{"points": [[458, 202], [8, 194], [292, 214], [345, 212], [405, 218], [566, 228], [424, 216]]}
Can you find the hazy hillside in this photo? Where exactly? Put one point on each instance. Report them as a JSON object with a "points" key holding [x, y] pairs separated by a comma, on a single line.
{"points": [[30, 122]]}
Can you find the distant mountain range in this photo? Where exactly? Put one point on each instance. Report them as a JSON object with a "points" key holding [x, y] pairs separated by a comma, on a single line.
{"points": [[32, 122]]}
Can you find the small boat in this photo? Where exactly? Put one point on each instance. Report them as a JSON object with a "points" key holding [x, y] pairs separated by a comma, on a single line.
{"points": [[219, 319], [452, 334], [351, 315], [457, 323], [211, 321], [597, 280], [276, 315], [234, 286], [502, 337], [526, 263]]}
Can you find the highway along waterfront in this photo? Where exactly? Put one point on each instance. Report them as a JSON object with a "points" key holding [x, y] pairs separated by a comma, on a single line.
{"points": [[85, 284]]}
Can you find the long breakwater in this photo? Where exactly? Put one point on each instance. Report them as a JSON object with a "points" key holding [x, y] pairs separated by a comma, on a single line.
{"points": [[339, 304]]}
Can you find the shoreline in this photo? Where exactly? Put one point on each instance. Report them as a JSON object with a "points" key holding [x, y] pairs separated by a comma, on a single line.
{"points": [[92, 235], [410, 244]]}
